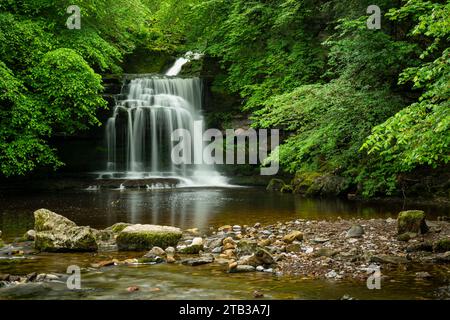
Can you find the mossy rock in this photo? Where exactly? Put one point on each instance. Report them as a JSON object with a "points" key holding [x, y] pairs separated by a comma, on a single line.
{"points": [[118, 227], [442, 245], [192, 249], [144, 237], [55, 233], [411, 221]]}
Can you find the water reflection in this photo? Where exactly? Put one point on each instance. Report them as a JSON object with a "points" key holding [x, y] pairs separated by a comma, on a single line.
{"points": [[186, 208]]}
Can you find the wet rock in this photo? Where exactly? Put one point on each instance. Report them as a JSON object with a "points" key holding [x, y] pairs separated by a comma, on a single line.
{"points": [[237, 228], [150, 259], [411, 221], [225, 228], [258, 294], [390, 259], [145, 236], [257, 225], [133, 289], [194, 248], [217, 250], [229, 246], [442, 257], [406, 236], [170, 251], [320, 240], [156, 251], [228, 240], [293, 235], [331, 275], [265, 242], [246, 247], [55, 233], [198, 261], [117, 227], [260, 268], [423, 275], [355, 231], [325, 252], [243, 268], [30, 235], [421, 246], [441, 245]]}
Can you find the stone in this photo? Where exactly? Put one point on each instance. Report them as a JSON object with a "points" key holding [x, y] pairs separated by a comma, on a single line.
{"points": [[264, 243], [411, 221], [228, 240], [145, 236], [232, 265], [293, 235], [157, 251], [225, 228], [260, 268], [133, 289], [217, 250], [441, 245], [198, 241], [246, 247], [170, 250], [331, 274], [423, 275], [258, 294], [229, 246], [406, 236], [442, 257], [320, 240], [325, 252], [30, 235], [198, 261], [171, 259], [117, 227], [421, 246], [55, 233], [355, 231], [150, 258], [390, 259], [243, 268], [237, 228]]}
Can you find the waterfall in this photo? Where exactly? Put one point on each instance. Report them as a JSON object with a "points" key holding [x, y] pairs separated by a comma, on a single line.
{"points": [[138, 134]]}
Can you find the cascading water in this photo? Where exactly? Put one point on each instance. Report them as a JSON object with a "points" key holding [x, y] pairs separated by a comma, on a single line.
{"points": [[139, 132]]}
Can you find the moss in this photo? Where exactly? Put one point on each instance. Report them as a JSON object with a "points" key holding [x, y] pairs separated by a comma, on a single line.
{"points": [[194, 249], [411, 221], [1, 243], [146, 240], [118, 227], [302, 182], [442, 245]]}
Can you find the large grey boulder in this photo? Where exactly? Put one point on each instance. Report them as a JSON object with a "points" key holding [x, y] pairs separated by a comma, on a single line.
{"points": [[55, 233]]}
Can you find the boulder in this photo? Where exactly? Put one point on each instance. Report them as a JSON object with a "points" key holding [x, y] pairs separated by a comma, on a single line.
{"points": [[411, 221], [198, 261], [243, 268], [55, 233], [355, 231], [146, 236]]}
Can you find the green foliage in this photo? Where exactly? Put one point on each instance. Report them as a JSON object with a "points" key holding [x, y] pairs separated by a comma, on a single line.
{"points": [[330, 122], [419, 134]]}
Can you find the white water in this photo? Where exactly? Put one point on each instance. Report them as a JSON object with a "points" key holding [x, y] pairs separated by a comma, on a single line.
{"points": [[138, 133]]}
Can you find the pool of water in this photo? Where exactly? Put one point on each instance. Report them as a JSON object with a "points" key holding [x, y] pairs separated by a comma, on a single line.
{"points": [[202, 208]]}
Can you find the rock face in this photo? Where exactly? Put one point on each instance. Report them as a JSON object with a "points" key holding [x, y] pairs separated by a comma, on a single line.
{"points": [[412, 221], [146, 236], [55, 233]]}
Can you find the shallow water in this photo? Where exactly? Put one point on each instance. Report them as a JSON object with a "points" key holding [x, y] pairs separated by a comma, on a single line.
{"points": [[187, 208]]}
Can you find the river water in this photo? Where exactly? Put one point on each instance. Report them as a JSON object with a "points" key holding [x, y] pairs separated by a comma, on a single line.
{"points": [[187, 208]]}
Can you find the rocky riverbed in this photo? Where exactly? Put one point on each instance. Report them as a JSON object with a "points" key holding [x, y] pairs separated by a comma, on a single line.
{"points": [[310, 249]]}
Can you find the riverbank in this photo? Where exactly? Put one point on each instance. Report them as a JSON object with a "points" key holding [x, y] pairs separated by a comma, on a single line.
{"points": [[339, 250]]}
